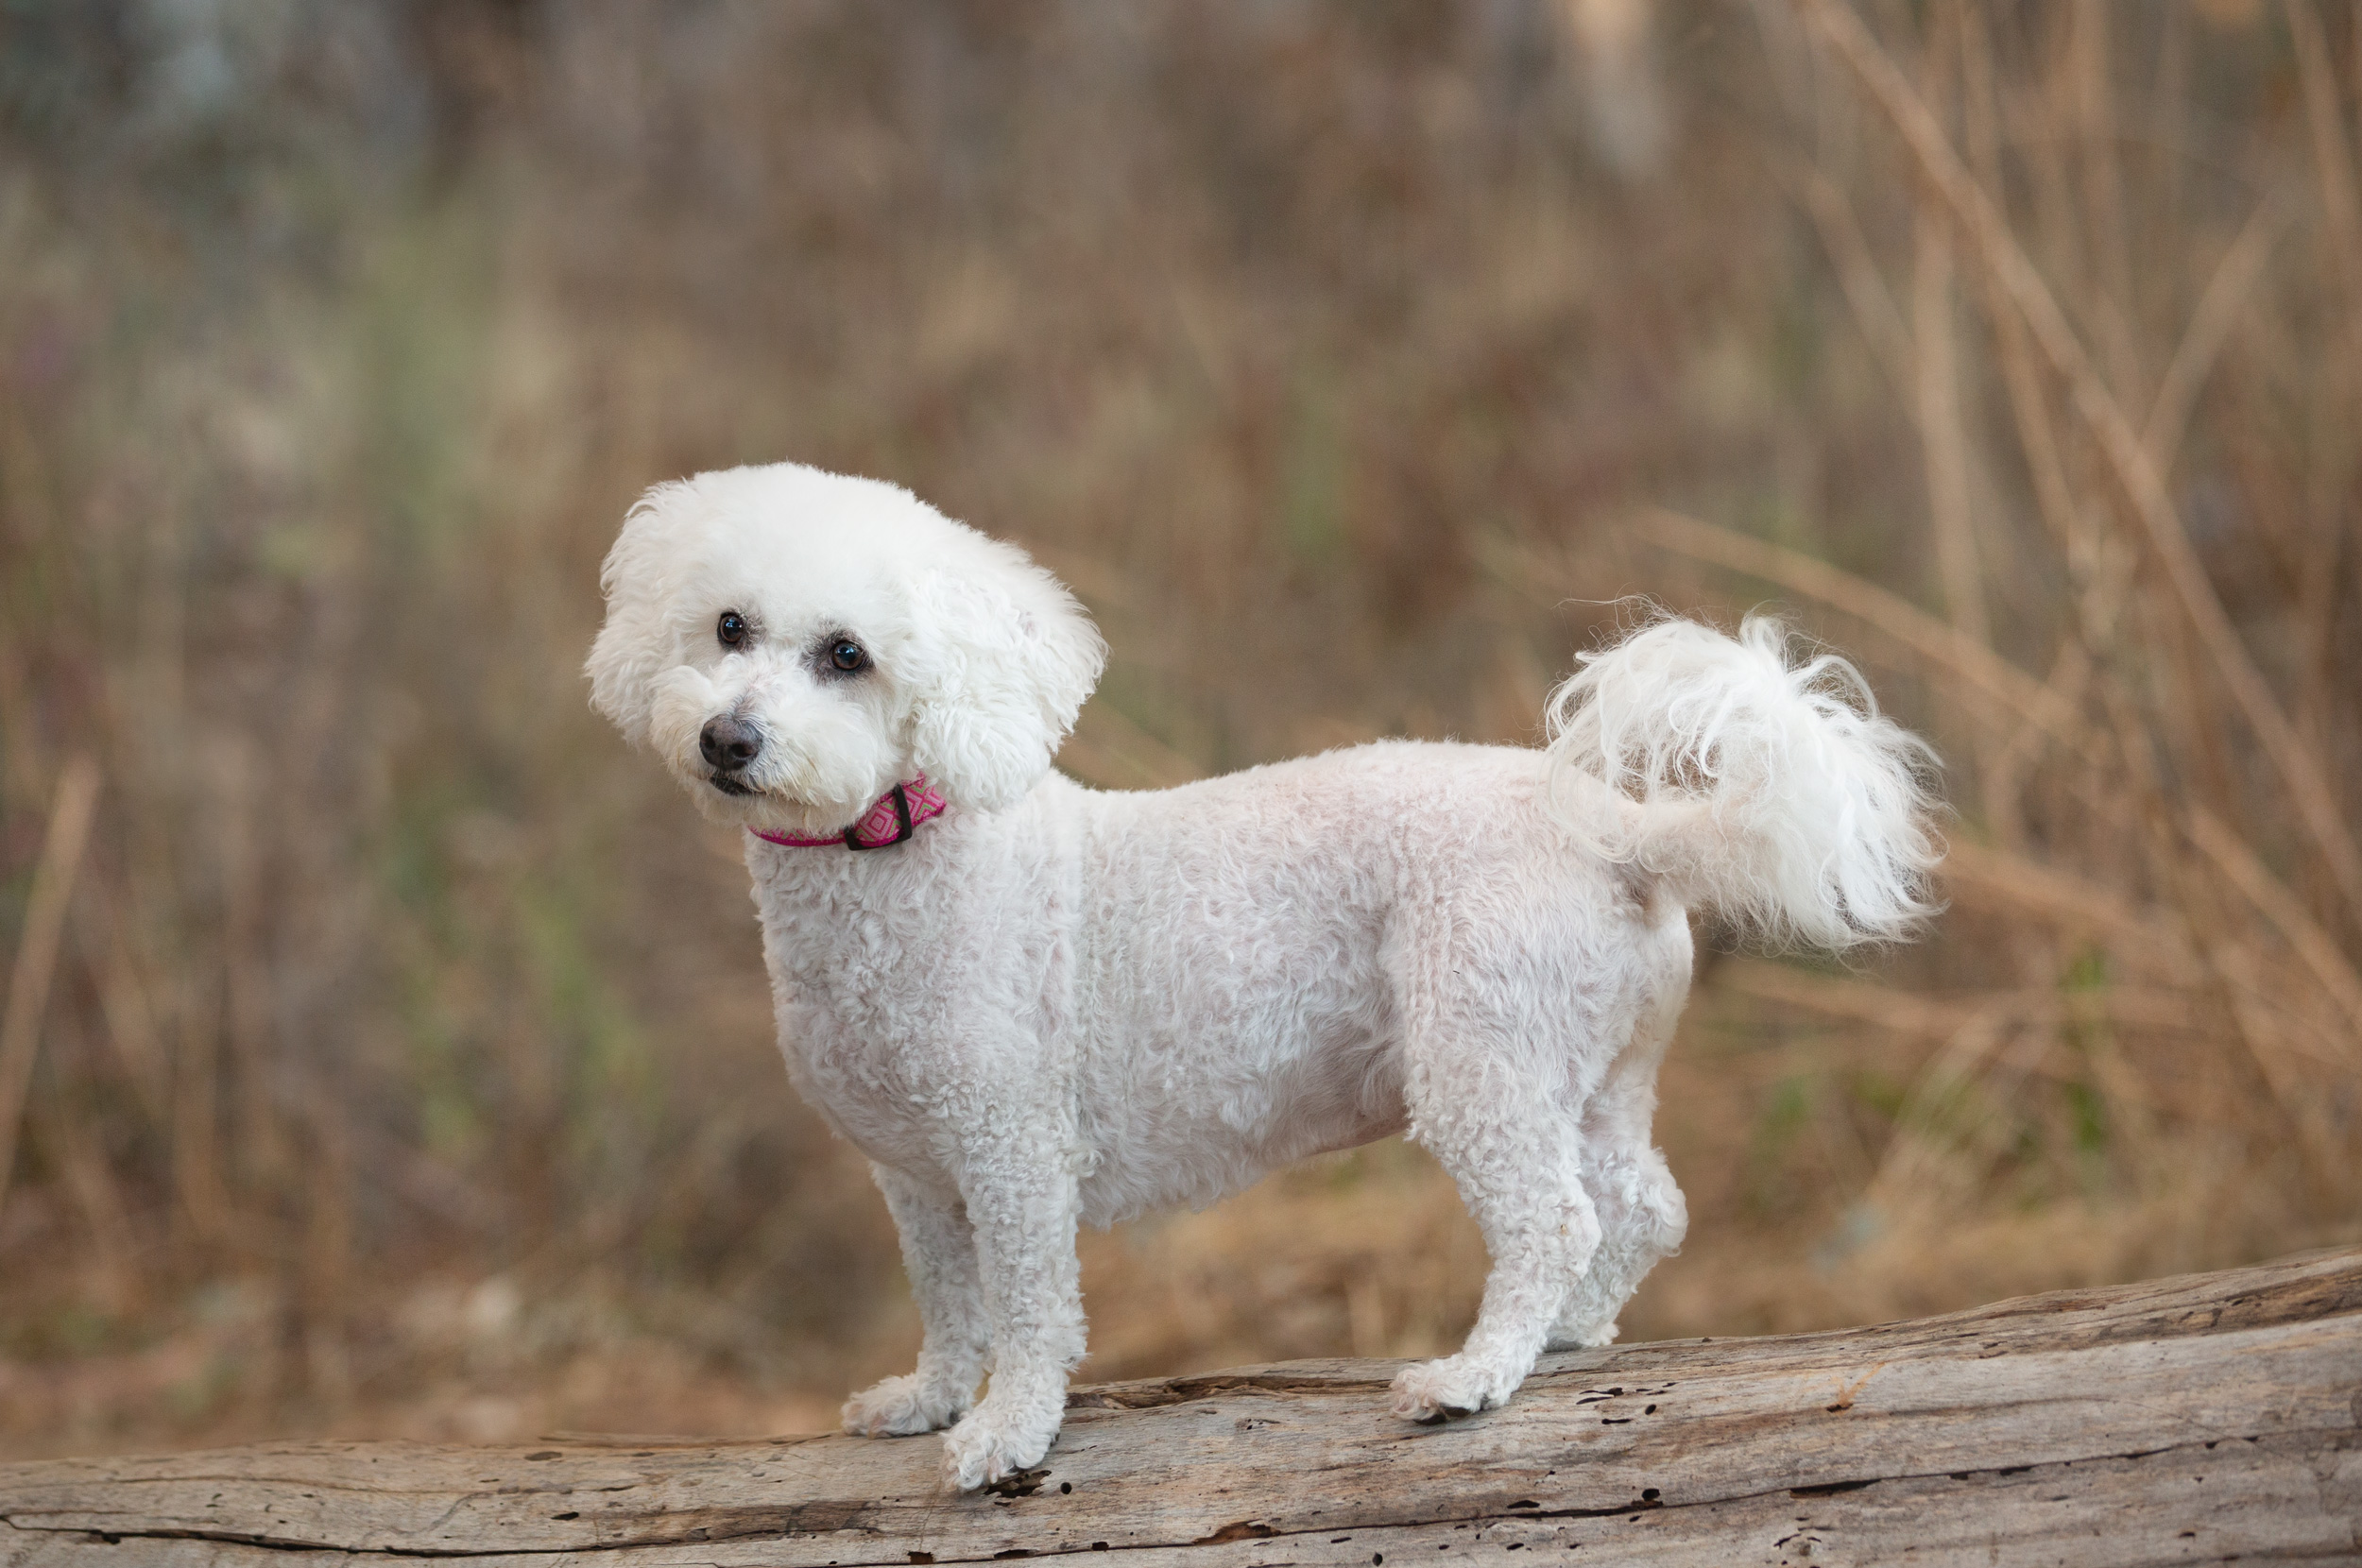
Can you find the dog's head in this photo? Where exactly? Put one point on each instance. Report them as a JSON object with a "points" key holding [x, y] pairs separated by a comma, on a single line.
{"points": [[793, 644]]}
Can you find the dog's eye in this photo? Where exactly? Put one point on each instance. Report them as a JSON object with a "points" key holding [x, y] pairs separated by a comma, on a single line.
{"points": [[731, 628], [849, 656]]}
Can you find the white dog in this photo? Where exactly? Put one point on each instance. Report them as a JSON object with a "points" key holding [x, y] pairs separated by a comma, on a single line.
{"points": [[1034, 1004]]}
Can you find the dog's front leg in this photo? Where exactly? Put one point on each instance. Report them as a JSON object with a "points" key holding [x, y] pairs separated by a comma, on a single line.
{"points": [[939, 1254], [1021, 1203]]}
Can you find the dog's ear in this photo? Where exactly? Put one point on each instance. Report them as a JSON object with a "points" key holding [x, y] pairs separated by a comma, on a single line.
{"points": [[638, 578], [1007, 658]]}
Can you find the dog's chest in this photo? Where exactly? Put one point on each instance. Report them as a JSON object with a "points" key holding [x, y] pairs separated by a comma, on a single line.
{"points": [[903, 1011], [849, 991]]}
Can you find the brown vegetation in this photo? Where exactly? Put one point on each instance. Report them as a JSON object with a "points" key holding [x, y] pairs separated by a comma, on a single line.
{"points": [[385, 1051]]}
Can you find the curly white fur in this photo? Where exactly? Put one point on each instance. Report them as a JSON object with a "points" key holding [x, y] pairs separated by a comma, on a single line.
{"points": [[1056, 1006], [1768, 790]]}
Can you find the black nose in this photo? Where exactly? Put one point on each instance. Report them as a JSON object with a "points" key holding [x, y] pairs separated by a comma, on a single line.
{"points": [[724, 743]]}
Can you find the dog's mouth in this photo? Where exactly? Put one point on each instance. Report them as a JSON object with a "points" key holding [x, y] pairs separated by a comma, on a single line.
{"points": [[731, 784]]}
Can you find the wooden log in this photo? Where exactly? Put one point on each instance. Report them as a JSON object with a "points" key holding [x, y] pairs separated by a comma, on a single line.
{"points": [[2191, 1419]]}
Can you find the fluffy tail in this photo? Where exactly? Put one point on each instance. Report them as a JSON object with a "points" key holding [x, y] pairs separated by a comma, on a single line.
{"points": [[1759, 782]]}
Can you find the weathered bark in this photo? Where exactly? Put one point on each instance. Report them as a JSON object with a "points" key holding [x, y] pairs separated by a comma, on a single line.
{"points": [[2184, 1420]]}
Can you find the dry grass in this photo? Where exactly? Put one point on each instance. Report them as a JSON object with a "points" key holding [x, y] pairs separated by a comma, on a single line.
{"points": [[386, 1051]]}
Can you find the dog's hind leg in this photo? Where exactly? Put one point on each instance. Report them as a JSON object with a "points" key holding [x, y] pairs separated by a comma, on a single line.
{"points": [[1642, 1219], [1642, 1214], [1514, 1158], [1471, 1056], [939, 1254]]}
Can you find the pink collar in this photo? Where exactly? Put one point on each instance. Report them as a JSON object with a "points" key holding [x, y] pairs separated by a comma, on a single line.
{"points": [[894, 816]]}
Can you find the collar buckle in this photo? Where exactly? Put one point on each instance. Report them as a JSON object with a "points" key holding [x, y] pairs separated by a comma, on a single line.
{"points": [[903, 827]]}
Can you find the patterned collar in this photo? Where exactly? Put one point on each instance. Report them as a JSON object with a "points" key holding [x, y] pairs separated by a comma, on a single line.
{"points": [[893, 817]]}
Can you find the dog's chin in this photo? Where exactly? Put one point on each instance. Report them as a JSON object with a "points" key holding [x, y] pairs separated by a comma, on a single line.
{"points": [[727, 800], [735, 801]]}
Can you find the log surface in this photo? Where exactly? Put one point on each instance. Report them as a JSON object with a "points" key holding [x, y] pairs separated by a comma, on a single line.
{"points": [[2190, 1420]]}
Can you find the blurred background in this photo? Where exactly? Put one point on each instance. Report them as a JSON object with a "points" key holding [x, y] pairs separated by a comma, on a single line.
{"points": [[385, 1049]]}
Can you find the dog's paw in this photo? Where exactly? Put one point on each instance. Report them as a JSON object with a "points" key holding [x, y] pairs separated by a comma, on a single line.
{"points": [[900, 1406], [1566, 1337], [988, 1447], [1429, 1392]]}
